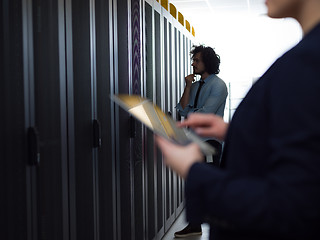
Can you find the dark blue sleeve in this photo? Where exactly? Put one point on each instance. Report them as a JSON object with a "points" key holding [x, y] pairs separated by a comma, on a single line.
{"points": [[286, 196]]}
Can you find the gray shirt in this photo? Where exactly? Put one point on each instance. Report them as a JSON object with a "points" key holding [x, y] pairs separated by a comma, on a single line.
{"points": [[212, 97]]}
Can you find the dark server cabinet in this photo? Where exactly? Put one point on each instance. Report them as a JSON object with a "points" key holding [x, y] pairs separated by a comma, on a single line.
{"points": [[94, 137], [47, 111], [150, 158], [137, 147], [169, 215], [35, 156], [129, 143], [51, 78], [159, 167], [84, 112], [105, 116], [124, 126], [170, 190], [13, 128], [164, 52], [74, 165]]}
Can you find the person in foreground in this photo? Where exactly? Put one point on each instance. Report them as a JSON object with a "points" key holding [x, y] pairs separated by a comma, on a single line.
{"points": [[269, 184]]}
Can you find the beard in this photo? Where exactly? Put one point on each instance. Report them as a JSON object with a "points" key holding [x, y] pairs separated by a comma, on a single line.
{"points": [[195, 71]]}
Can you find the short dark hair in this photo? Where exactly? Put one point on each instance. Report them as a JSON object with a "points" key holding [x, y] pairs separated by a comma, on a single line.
{"points": [[210, 59]]}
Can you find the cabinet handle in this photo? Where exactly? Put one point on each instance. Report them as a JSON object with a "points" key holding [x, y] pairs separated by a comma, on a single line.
{"points": [[96, 134], [33, 146]]}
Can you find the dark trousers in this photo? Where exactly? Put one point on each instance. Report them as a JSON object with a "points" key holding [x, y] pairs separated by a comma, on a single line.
{"points": [[216, 162]]}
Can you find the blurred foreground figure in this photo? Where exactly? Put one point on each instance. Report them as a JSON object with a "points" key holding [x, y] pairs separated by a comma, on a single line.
{"points": [[269, 184]]}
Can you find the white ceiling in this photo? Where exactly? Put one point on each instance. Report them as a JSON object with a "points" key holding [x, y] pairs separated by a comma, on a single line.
{"points": [[193, 9], [246, 39], [214, 14]]}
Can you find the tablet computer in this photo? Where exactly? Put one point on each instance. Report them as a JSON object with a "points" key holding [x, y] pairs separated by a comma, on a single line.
{"points": [[159, 122]]}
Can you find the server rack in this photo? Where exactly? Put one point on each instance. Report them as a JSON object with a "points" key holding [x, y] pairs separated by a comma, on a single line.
{"points": [[75, 166]]}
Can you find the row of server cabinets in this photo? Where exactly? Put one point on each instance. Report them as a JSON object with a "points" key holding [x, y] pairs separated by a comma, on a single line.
{"points": [[73, 164]]}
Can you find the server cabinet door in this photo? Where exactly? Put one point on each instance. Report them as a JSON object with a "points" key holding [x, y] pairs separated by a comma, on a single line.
{"points": [[35, 120], [160, 93], [124, 125], [82, 112], [136, 131], [169, 174], [105, 115], [13, 154], [47, 106], [150, 157], [167, 179]]}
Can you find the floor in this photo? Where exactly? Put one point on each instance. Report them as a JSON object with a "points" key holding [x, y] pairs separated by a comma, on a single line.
{"points": [[179, 224]]}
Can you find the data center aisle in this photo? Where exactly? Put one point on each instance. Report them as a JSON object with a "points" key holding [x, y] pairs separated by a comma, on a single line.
{"points": [[179, 224]]}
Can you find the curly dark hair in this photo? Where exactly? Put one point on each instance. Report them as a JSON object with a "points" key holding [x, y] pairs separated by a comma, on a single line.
{"points": [[210, 59]]}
